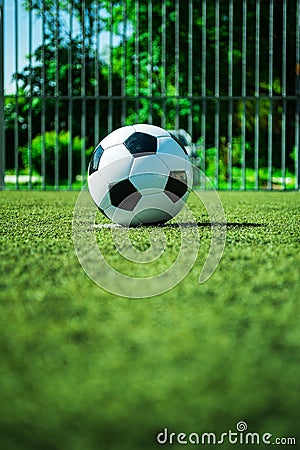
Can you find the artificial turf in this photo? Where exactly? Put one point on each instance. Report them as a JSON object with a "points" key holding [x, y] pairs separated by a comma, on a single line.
{"points": [[82, 369]]}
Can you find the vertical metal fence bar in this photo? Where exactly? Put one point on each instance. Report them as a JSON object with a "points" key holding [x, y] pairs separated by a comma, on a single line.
{"points": [[257, 109], [29, 130], [150, 61], [217, 90], [43, 92], [283, 115], [297, 93], [177, 49], [83, 95], [70, 99], [230, 92], [163, 61], [110, 63], [97, 70], [244, 93], [270, 83], [203, 92], [110, 71], [137, 60], [56, 100], [2, 117], [190, 68], [124, 69], [16, 119]]}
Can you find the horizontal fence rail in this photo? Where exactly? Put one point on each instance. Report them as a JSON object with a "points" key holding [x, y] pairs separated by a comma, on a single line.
{"points": [[224, 75]]}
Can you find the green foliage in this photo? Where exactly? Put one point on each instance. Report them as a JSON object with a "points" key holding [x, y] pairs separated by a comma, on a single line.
{"points": [[53, 145], [145, 71], [215, 163]]}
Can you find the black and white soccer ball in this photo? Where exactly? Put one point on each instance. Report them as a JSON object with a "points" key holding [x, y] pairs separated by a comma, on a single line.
{"points": [[140, 175]]}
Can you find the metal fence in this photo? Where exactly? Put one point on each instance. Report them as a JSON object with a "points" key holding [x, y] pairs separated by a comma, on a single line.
{"points": [[227, 72]]}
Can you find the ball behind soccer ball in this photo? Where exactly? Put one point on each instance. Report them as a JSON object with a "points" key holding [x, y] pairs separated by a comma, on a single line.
{"points": [[139, 174]]}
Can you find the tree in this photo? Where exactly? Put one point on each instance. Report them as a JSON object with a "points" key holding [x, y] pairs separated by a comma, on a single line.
{"points": [[153, 67]]}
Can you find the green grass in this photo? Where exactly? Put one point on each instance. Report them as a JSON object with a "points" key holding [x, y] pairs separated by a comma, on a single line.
{"points": [[81, 369]]}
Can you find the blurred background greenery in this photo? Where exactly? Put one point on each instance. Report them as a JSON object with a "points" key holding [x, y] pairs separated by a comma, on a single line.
{"points": [[120, 62]]}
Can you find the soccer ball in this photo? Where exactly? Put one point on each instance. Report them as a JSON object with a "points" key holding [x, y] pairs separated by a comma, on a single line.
{"points": [[140, 175]]}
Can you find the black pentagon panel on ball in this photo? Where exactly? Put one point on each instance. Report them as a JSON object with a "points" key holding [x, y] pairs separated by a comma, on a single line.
{"points": [[179, 143], [176, 185], [124, 195], [140, 143], [95, 159]]}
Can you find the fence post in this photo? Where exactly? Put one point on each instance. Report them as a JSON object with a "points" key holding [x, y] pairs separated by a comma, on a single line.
{"points": [[2, 120], [297, 146], [297, 94]]}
